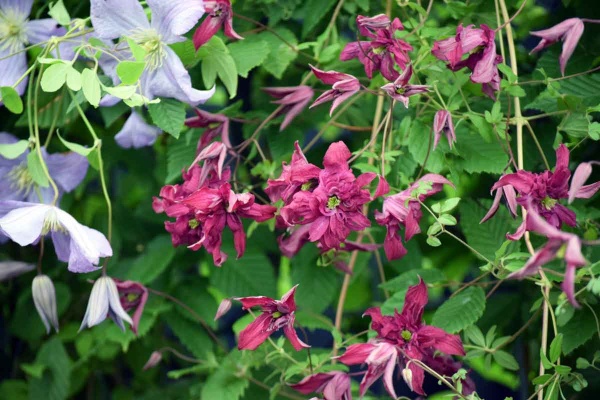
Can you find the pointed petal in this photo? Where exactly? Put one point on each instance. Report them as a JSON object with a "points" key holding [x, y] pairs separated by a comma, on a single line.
{"points": [[255, 301], [24, 224], [255, 333], [175, 18], [136, 133], [414, 302], [571, 39], [292, 336], [40, 30], [67, 169], [12, 69], [356, 353], [207, 29]]}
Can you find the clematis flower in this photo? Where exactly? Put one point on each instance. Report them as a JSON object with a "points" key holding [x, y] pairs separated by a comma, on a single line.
{"points": [[133, 296], [383, 52], [16, 32], [404, 210], [400, 90], [291, 100], [442, 123], [153, 361], [401, 338], [334, 207], [559, 245], [80, 246], [164, 74], [44, 298], [276, 314], [542, 193], [333, 385], [16, 182], [569, 32], [104, 301], [581, 175], [343, 87], [217, 124], [136, 133], [219, 14]]}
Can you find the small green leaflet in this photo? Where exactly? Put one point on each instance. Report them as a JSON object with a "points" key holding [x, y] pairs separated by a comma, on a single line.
{"points": [[168, 115], [54, 77], [34, 165], [11, 99], [59, 13], [77, 148], [130, 71], [91, 86], [13, 150]]}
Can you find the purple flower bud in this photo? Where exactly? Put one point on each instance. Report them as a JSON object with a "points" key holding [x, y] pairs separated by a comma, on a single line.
{"points": [[442, 122], [223, 308], [44, 298], [155, 358]]}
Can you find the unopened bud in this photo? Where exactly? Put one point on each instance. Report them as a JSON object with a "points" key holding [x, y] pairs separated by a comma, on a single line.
{"points": [[104, 300], [408, 377], [44, 298], [155, 358], [223, 308]]}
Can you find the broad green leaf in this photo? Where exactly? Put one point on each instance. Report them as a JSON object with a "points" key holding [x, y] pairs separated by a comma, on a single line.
{"points": [[130, 71], [36, 170], [13, 389], [168, 115], [157, 257], [315, 11], [191, 334], [54, 384], [575, 124], [217, 61], [483, 127], [506, 360], [579, 330], [54, 77], [225, 383], [317, 285], [555, 348], [91, 86], [479, 155], [59, 13], [13, 150], [11, 99], [281, 54], [460, 311], [76, 147], [248, 54], [180, 153]]}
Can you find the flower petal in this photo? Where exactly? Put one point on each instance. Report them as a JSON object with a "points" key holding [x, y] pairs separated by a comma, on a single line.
{"points": [[67, 169], [175, 18], [255, 333], [136, 133], [24, 224], [115, 18], [13, 68], [40, 30]]}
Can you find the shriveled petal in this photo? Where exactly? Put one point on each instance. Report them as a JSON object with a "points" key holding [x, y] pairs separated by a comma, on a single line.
{"points": [[255, 333], [136, 133], [175, 18], [115, 18]]}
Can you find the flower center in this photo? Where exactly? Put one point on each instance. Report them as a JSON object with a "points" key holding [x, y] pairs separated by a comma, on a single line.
{"points": [[400, 90], [51, 223], [406, 335], [333, 202], [378, 50], [20, 179], [151, 41], [12, 30], [193, 223], [276, 315], [549, 203], [306, 186]]}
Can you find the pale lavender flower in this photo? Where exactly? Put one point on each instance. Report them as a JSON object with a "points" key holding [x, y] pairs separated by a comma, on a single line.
{"points": [[11, 269], [136, 133], [164, 75], [44, 298], [16, 32], [80, 246], [569, 31], [104, 301]]}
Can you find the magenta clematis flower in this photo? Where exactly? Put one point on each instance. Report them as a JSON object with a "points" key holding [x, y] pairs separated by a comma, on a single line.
{"points": [[542, 192], [333, 385], [219, 14], [400, 339], [216, 124], [400, 90], [403, 209], [482, 59], [292, 101], [276, 314], [383, 52], [442, 123], [581, 175], [133, 296], [560, 245], [334, 207], [569, 32], [343, 87]]}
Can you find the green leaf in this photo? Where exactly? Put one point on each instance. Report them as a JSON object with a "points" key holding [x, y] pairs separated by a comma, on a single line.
{"points": [[34, 370], [556, 348], [317, 285], [13, 150], [130, 71], [76, 147], [482, 126], [248, 54], [578, 331], [460, 311], [191, 334], [216, 61], [139, 54], [36, 170], [479, 155], [91, 86], [54, 384], [575, 125], [11, 99], [73, 79], [168, 115], [315, 11], [157, 257], [506, 360], [400, 285], [434, 241], [59, 13], [447, 219], [54, 77], [545, 362], [475, 335], [281, 54], [225, 383], [445, 205]]}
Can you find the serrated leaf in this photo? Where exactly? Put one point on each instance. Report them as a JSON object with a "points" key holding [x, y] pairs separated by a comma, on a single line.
{"points": [[479, 155], [157, 257], [315, 10], [248, 54], [54, 384], [317, 286], [13, 150], [578, 331], [11, 99], [224, 384], [179, 154], [191, 334], [281, 54], [461, 310], [168, 115], [217, 61]]}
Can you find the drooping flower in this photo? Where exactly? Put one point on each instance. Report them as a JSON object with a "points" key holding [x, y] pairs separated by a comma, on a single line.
{"points": [[80, 246], [400, 90], [133, 296], [343, 87], [16, 182], [401, 338], [581, 175], [223, 308], [104, 301], [334, 207], [136, 133], [569, 32], [333, 385], [291, 100], [276, 314], [219, 14], [560, 244], [11, 269], [442, 123], [383, 52], [404, 210], [542, 192], [44, 298], [153, 361], [16, 32], [164, 74], [482, 59]]}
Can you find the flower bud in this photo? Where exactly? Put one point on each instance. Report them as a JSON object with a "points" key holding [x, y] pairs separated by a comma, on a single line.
{"points": [[44, 298], [223, 308], [408, 377], [104, 300], [155, 358]]}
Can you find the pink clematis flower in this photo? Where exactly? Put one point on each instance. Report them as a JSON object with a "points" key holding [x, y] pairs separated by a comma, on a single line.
{"points": [[276, 314], [558, 242], [219, 14], [400, 90], [291, 100], [333, 385], [133, 296], [216, 124], [581, 175], [404, 209], [542, 192], [383, 52], [400, 339], [343, 87], [334, 207], [569, 32], [442, 123]]}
